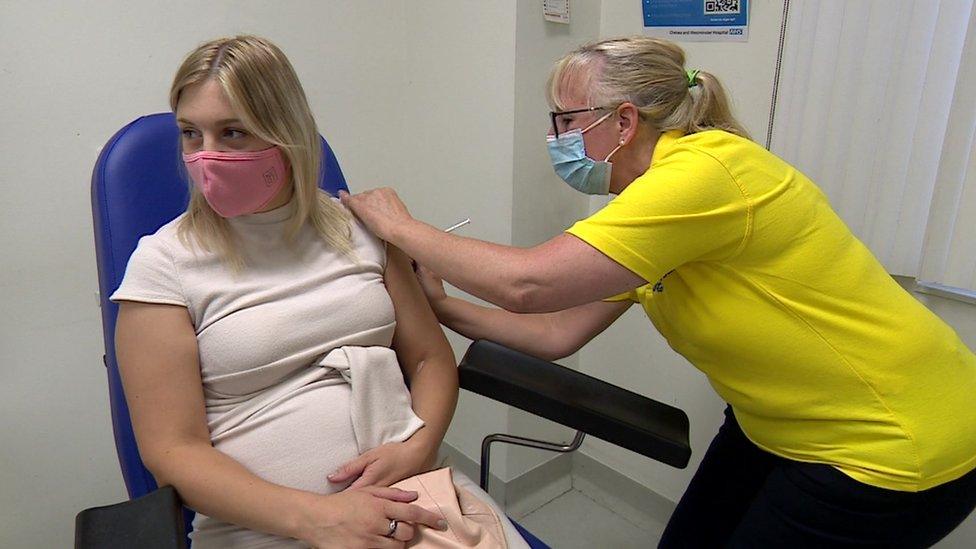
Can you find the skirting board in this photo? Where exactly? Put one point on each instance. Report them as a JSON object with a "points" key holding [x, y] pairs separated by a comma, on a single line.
{"points": [[623, 495], [540, 485]]}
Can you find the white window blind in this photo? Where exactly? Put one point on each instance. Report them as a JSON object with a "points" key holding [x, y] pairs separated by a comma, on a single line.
{"points": [[863, 109], [949, 260]]}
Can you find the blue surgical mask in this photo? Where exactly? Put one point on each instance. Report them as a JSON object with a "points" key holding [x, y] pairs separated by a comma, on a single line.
{"points": [[568, 154]]}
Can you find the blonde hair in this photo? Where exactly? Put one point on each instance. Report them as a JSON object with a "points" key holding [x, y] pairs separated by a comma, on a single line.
{"points": [[650, 74], [265, 93]]}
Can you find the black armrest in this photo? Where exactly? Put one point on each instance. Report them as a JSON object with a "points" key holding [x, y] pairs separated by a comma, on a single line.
{"points": [[154, 521], [576, 400]]}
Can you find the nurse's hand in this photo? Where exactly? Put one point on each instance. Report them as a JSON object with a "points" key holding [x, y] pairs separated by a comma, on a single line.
{"points": [[386, 464], [381, 210], [432, 285]]}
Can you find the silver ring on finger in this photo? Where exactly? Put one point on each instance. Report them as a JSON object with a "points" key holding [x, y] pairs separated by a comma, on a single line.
{"points": [[393, 527]]}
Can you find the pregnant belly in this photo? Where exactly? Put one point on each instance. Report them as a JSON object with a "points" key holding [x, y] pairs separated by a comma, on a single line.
{"points": [[298, 439]]}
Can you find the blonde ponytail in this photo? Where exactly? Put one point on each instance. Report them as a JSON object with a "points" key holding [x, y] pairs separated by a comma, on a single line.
{"points": [[706, 108]]}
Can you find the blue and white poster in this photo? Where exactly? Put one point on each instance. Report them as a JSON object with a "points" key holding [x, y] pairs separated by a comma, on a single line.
{"points": [[697, 20]]}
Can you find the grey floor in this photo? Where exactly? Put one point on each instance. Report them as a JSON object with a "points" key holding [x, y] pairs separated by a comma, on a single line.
{"points": [[574, 520]]}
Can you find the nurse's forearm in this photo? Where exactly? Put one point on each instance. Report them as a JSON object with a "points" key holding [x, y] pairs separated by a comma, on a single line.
{"points": [[549, 336], [533, 334], [498, 274]]}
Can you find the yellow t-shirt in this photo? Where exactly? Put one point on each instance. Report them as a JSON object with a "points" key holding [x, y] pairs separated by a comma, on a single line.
{"points": [[759, 284]]}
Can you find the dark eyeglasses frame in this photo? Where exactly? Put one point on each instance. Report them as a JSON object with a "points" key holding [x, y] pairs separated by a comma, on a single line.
{"points": [[554, 114]]}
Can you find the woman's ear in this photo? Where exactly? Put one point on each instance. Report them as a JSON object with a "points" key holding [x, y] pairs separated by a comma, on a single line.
{"points": [[628, 119]]}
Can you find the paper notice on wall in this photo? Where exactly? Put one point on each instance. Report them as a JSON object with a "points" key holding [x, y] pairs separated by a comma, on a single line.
{"points": [[697, 20], [556, 11]]}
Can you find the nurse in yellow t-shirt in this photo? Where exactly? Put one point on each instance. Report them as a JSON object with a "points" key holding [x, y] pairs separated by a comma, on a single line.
{"points": [[852, 417]]}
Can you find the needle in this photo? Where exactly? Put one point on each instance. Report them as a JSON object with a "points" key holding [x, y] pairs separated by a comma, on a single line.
{"points": [[457, 225]]}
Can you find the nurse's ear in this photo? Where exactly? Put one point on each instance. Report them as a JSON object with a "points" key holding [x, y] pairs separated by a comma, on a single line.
{"points": [[628, 120]]}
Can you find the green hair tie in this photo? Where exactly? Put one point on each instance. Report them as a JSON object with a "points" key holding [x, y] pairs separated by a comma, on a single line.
{"points": [[692, 75]]}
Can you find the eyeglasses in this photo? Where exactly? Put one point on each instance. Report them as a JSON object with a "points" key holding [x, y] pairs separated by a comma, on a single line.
{"points": [[554, 117]]}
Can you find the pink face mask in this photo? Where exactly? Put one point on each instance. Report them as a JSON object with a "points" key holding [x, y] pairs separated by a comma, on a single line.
{"points": [[237, 183]]}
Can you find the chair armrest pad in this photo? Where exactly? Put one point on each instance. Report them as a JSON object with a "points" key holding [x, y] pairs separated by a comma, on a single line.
{"points": [[153, 521], [576, 400]]}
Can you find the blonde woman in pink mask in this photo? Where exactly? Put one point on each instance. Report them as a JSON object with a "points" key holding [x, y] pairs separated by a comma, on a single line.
{"points": [[264, 335]]}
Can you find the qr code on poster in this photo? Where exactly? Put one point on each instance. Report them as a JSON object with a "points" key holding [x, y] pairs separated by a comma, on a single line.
{"points": [[721, 7]]}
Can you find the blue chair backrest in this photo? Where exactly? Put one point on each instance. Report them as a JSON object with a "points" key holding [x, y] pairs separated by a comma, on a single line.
{"points": [[138, 185]]}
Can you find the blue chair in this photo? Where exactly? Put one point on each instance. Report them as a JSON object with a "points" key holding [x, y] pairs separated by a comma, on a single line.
{"points": [[137, 187]]}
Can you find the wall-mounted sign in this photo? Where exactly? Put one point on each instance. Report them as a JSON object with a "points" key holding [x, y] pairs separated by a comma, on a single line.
{"points": [[697, 20]]}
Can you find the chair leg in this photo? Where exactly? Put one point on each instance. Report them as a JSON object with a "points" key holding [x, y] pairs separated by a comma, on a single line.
{"points": [[521, 441]]}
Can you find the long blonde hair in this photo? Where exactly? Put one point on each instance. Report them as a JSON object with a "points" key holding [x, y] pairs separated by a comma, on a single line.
{"points": [[650, 74], [264, 91]]}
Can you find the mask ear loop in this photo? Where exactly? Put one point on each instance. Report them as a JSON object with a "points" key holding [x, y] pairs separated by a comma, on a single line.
{"points": [[598, 121], [595, 124], [614, 151]]}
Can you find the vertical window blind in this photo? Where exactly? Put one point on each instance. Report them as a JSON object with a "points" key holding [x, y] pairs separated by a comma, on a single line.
{"points": [[866, 94]]}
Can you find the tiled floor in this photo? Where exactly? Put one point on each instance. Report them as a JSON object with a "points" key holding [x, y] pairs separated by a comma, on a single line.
{"points": [[573, 521]]}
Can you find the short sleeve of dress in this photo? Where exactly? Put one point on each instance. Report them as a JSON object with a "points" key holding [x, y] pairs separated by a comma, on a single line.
{"points": [[367, 246], [151, 275]]}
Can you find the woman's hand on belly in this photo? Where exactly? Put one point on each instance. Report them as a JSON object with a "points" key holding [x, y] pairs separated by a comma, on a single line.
{"points": [[362, 518], [389, 463]]}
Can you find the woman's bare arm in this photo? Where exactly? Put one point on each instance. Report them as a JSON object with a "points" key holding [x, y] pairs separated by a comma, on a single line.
{"points": [[423, 351]]}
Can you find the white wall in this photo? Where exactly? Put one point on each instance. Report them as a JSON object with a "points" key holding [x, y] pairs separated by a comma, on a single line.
{"points": [[543, 204], [456, 94]]}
